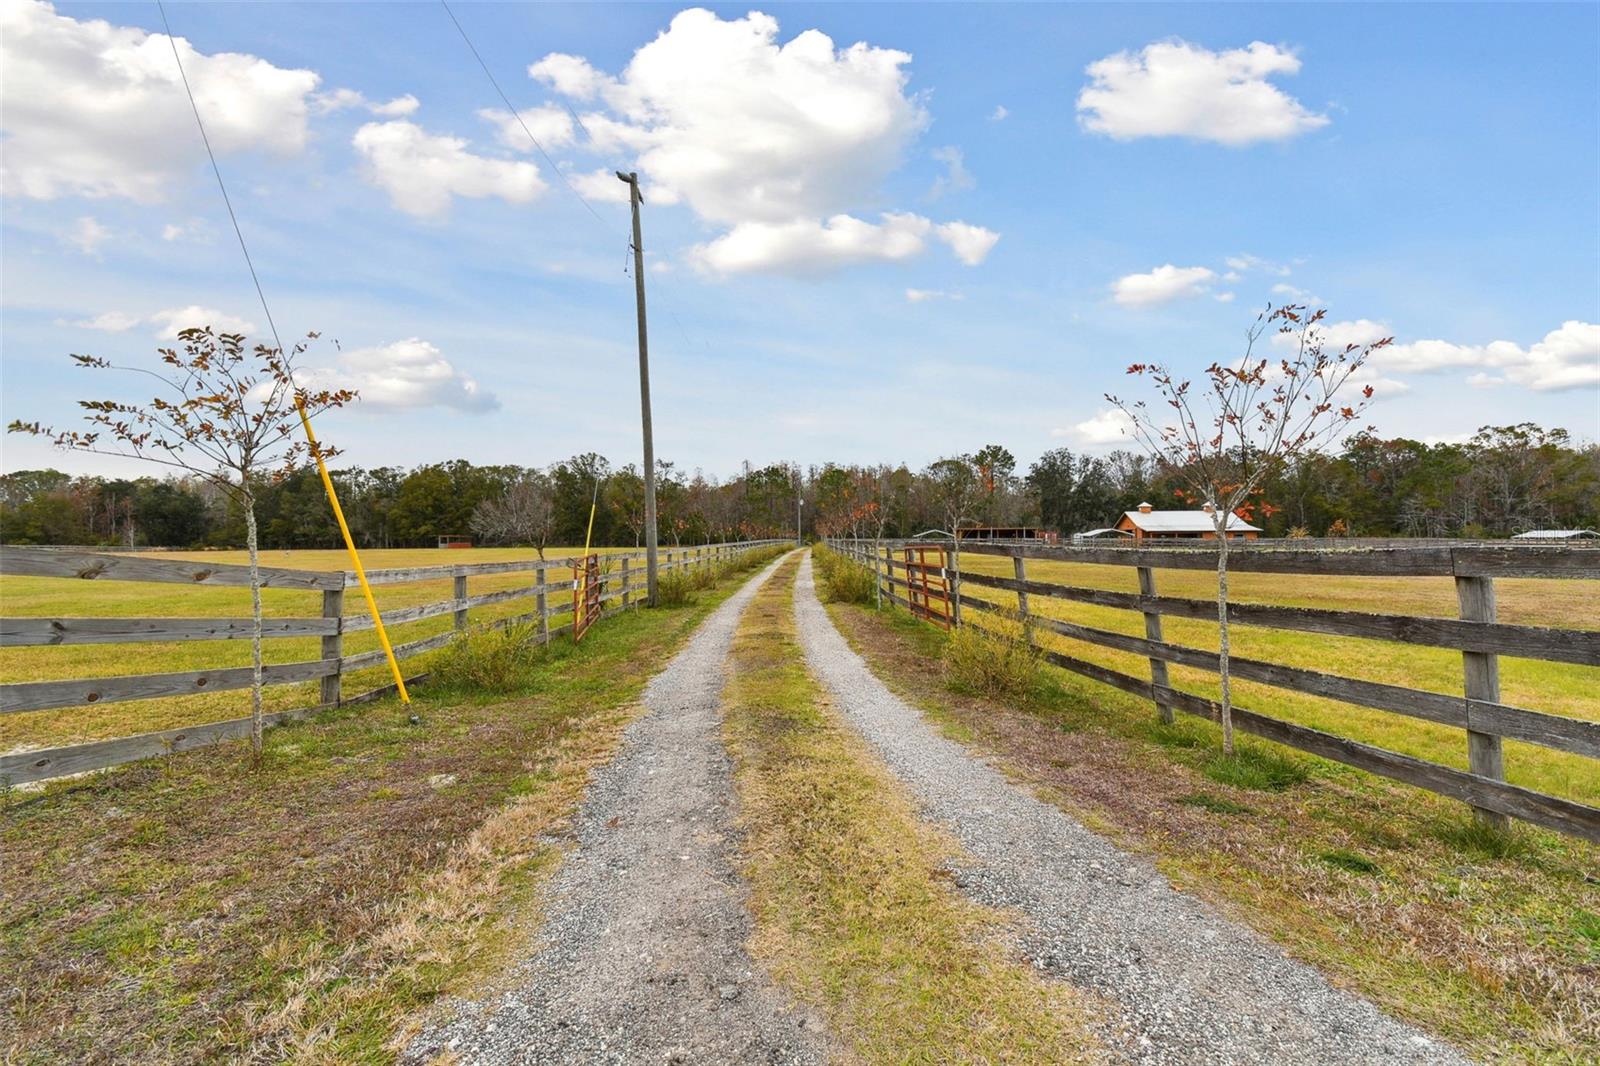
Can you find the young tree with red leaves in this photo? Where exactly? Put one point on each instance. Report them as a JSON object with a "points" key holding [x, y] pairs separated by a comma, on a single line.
{"points": [[226, 414], [1254, 415]]}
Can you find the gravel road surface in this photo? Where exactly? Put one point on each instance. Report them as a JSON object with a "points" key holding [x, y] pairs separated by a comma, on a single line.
{"points": [[1190, 986], [642, 958]]}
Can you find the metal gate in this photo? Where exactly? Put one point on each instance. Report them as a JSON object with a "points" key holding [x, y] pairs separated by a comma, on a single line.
{"points": [[927, 583], [585, 594]]}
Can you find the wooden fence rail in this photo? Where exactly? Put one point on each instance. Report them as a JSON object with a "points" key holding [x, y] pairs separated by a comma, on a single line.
{"points": [[1480, 639], [549, 576]]}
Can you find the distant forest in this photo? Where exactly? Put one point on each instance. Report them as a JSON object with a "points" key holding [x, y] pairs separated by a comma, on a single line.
{"points": [[1504, 480]]}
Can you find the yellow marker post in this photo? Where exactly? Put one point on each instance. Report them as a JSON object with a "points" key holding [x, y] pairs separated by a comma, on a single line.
{"points": [[355, 557]]}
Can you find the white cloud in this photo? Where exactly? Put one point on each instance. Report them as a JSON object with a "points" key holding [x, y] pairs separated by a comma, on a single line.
{"points": [[781, 145], [406, 374], [1224, 297], [918, 296], [1176, 89], [570, 75], [168, 323], [1108, 426], [171, 231], [87, 235], [97, 110], [1242, 263], [956, 177], [1294, 294], [1566, 358], [551, 126], [999, 113], [807, 247], [344, 99], [971, 244], [1161, 285], [109, 322], [421, 171]]}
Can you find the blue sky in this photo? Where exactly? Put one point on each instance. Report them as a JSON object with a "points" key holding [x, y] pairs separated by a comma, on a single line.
{"points": [[856, 255]]}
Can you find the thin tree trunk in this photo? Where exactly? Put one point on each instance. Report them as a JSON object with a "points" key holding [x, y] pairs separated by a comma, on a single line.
{"points": [[255, 626], [1222, 632]]}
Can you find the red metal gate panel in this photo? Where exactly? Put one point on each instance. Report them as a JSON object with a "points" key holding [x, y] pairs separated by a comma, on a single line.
{"points": [[928, 583], [585, 594]]}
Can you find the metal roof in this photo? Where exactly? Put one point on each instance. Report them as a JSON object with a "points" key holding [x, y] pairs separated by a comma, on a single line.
{"points": [[1556, 534], [1100, 533], [1184, 522]]}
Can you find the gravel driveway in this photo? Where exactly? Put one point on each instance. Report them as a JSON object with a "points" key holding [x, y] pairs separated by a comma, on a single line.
{"points": [[642, 957], [1190, 986]]}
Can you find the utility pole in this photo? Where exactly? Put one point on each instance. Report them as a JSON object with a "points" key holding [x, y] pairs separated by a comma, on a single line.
{"points": [[631, 180]]}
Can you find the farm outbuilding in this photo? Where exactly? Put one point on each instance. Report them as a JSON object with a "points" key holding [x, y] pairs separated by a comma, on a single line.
{"points": [[1558, 534], [1147, 523]]}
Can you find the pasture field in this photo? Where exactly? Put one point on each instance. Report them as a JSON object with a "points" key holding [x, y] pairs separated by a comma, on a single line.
{"points": [[1556, 688], [31, 597]]}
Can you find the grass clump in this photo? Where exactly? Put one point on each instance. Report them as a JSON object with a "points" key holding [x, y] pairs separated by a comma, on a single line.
{"points": [[979, 664], [1484, 840], [853, 909], [489, 660], [1215, 804], [1257, 768], [1344, 859], [843, 580], [676, 589]]}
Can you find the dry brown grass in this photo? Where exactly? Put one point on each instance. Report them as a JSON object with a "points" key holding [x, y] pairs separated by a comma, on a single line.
{"points": [[854, 908], [1495, 948]]}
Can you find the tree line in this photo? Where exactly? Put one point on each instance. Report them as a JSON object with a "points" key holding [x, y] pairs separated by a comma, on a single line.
{"points": [[1503, 480]]}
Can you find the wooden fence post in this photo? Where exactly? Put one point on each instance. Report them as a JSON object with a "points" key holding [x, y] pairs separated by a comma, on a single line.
{"points": [[461, 594], [1019, 567], [333, 644], [541, 605], [627, 579], [1152, 631], [1485, 756], [953, 580]]}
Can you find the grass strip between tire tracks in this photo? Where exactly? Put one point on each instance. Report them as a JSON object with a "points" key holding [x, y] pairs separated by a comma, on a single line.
{"points": [[854, 909]]}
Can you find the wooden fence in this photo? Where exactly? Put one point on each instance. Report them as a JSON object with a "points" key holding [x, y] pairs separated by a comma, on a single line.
{"points": [[550, 589], [1475, 633]]}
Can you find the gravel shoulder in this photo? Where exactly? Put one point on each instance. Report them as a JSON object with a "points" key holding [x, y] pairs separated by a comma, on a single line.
{"points": [[1187, 985], [642, 956]]}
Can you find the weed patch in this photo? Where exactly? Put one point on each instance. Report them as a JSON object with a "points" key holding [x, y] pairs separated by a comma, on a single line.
{"points": [[1255, 767], [1215, 804], [486, 660], [1344, 859], [979, 664], [843, 580]]}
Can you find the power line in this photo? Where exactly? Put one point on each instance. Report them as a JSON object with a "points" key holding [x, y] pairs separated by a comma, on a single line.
{"points": [[518, 116], [237, 232]]}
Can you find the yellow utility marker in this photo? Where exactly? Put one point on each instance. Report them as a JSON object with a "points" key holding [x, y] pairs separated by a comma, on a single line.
{"points": [[355, 556]]}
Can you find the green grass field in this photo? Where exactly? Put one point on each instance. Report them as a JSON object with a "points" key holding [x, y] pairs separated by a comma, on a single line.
{"points": [[1556, 688], [28, 597]]}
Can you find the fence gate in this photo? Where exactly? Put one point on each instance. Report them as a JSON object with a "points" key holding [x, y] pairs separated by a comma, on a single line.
{"points": [[928, 583], [585, 594]]}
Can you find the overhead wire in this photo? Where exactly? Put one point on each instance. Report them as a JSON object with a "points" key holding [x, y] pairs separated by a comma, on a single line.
{"points": [[305, 420], [517, 114]]}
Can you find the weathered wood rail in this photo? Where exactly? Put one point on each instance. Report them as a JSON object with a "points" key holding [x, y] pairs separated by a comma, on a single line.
{"points": [[550, 589], [1481, 640]]}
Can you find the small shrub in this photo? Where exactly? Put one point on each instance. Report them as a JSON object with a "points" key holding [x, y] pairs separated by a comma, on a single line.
{"points": [[977, 663], [1257, 768], [675, 589], [1342, 859], [1215, 804], [488, 660], [844, 580]]}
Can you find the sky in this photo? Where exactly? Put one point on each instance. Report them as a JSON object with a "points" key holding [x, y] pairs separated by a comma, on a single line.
{"points": [[873, 232]]}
